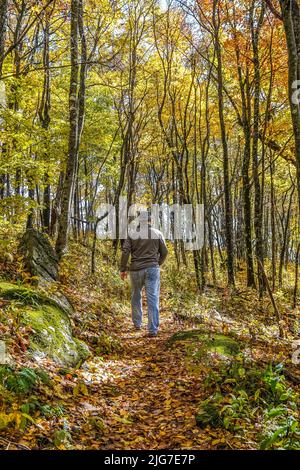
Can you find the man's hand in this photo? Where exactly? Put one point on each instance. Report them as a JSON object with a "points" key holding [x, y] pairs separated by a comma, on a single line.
{"points": [[123, 275]]}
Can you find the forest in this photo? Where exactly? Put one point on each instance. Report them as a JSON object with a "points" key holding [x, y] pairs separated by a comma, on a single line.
{"points": [[161, 102]]}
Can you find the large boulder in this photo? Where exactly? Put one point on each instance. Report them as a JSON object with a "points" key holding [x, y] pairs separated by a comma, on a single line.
{"points": [[39, 256], [50, 326]]}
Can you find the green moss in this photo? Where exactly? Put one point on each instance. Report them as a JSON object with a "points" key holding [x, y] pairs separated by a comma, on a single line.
{"points": [[24, 295], [216, 343], [52, 336], [52, 333], [186, 335], [6, 285]]}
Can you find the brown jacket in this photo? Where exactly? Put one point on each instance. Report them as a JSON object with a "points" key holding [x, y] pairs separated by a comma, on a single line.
{"points": [[144, 253]]}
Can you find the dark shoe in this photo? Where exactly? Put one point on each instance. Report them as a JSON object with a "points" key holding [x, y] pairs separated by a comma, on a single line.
{"points": [[137, 328], [152, 335]]}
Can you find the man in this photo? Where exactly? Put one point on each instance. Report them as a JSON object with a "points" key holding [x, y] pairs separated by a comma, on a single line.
{"points": [[147, 255]]}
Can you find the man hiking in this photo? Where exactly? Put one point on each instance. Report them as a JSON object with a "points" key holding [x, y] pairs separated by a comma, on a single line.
{"points": [[148, 251]]}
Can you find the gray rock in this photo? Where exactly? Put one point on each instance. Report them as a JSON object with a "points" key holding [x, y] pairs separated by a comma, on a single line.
{"points": [[50, 334], [61, 300], [39, 256], [46, 310]]}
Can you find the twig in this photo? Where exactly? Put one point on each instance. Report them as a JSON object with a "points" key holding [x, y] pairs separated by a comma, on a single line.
{"points": [[276, 311], [296, 276], [291, 377], [273, 10], [8, 444]]}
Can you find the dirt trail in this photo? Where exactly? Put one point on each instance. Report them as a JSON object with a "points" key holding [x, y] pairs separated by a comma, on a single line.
{"points": [[143, 397]]}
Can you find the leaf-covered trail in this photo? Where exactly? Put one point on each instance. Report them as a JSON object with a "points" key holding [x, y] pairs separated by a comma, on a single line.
{"points": [[141, 398]]}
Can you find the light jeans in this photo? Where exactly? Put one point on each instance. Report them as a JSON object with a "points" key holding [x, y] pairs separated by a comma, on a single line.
{"points": [[150, 279]]}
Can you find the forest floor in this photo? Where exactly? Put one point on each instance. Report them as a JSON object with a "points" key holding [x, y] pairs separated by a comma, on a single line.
{"points": [[140, 396], [146, 397], [137, 392]]}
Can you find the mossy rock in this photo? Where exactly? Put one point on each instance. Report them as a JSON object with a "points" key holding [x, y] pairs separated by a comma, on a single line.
{"points": [[214, 343], [52, 332], [28, 296], [9, 291]]}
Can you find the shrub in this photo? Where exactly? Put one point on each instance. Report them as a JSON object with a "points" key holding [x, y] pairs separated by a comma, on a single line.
{"points": [[246, 397]]}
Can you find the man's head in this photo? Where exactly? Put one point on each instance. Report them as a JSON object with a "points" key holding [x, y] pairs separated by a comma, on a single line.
{"points": [[145, 216], [139, 226]]}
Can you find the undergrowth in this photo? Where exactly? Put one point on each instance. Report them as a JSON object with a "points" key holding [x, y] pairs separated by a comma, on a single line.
{"points": [[256, 404], [19, 395]]}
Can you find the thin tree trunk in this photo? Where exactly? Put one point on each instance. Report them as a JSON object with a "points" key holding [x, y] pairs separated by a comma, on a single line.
{"points": [[227, 195], [286, 221], [70, 176], [297, 260], [258, 215], [273, 223], [3, 26], [275, 308], [291, 20], [44, 116]]}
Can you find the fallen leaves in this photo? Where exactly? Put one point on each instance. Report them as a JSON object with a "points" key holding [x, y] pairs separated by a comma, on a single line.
{"points": [[142, 398], [141, 395]]}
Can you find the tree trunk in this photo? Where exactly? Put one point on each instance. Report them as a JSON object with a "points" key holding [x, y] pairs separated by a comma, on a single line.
{"points": [[296, 276], [258, 215], [285, 223], [291, 20], [246, 188], [3, 18], [273, 223], [44, 116], [227, 195], [70, 176]]}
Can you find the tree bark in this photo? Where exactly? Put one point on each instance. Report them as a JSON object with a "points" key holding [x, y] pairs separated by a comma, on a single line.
{"points": [[291, 20], [258, 215], [72, 160], [44, 116], [227, 194], [3, 19]]}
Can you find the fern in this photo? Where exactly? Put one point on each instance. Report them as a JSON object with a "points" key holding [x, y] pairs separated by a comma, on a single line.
{"points": [[23, 381]]}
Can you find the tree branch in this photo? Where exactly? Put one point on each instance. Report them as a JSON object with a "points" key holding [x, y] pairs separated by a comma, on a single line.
{"points": [[271, 7]]}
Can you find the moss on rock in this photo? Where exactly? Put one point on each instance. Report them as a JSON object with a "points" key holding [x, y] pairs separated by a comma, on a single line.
{"points": [[52, 333], [26, 296], [215, 343]]}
